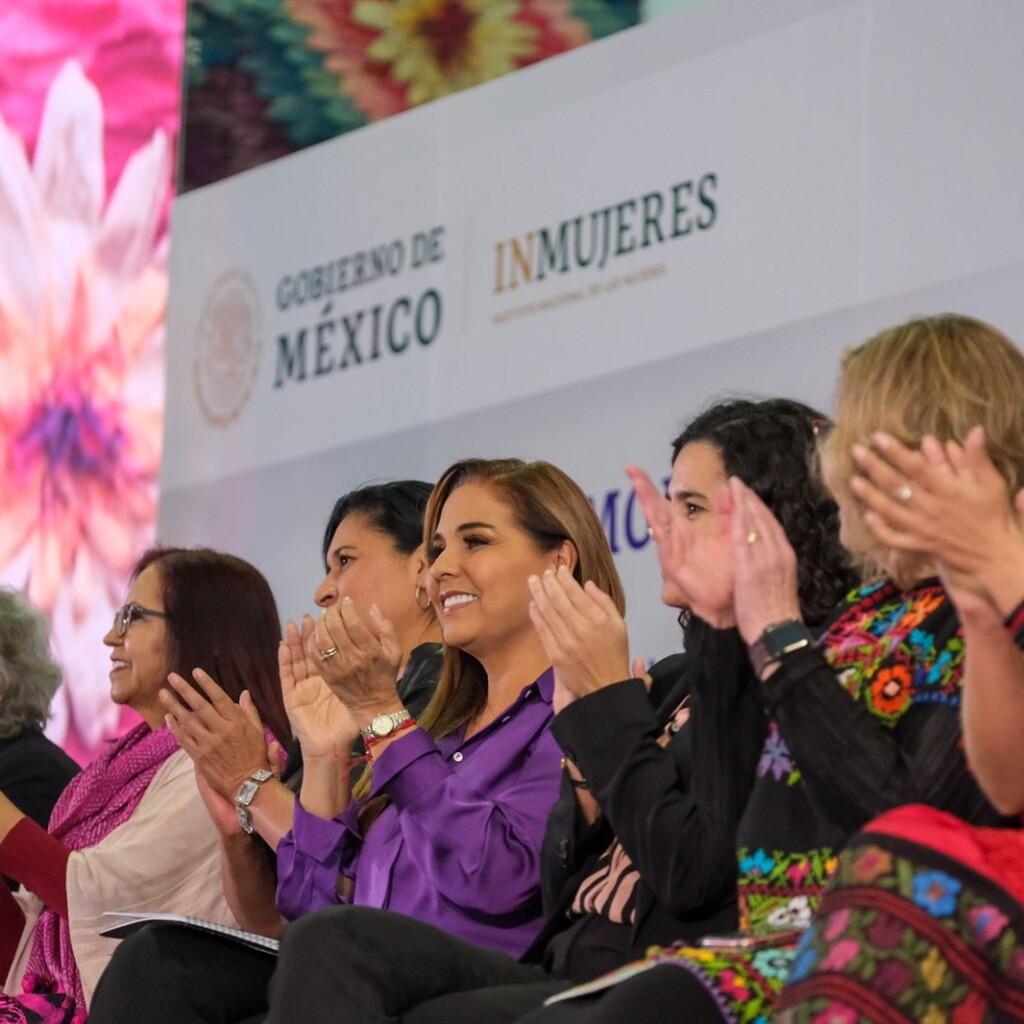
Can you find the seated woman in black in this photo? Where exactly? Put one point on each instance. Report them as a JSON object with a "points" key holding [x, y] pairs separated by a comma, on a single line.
{"points": [[641, 847], [33, 770]]}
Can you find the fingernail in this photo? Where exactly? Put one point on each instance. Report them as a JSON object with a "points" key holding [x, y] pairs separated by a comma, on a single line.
{"points": [[346, 599], [859, 451], [533, 581], [856, 483], [880, 439], [549, 572]]}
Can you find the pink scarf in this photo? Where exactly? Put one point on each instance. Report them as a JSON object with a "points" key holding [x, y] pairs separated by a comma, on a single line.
{"points": [[94, 803]]}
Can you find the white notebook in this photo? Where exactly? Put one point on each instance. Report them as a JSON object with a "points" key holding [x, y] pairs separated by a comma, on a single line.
{"points": [[127, 923]]}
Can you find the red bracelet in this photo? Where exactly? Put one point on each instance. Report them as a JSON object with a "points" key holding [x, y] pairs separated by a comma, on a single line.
{"points": [[371, 742]]}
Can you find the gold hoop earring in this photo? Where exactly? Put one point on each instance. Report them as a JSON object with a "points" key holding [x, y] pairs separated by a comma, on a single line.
{"points": [[422, 607]]}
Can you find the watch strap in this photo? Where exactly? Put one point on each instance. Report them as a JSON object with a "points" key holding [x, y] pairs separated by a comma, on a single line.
{"points": [[777, 642]]}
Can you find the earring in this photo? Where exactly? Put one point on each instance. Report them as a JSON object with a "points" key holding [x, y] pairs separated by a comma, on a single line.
{"points": [[420, 590]]}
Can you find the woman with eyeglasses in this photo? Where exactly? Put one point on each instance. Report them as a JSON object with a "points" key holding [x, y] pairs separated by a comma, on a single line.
{"points": [[131, 832]]}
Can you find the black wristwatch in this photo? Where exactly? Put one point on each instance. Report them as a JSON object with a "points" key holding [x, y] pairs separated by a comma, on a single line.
{"points": [[778, 641]]}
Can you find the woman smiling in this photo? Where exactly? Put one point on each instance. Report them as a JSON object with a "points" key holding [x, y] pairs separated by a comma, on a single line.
{"points": [[131, 832], [447, 825]]}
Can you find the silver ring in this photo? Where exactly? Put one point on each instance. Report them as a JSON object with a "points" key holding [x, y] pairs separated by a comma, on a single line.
{"points": [[328, 654], [904, 493]]}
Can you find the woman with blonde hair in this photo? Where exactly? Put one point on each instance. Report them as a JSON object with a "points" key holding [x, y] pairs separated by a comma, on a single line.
{"points": [[864, 718], [925, 918]]}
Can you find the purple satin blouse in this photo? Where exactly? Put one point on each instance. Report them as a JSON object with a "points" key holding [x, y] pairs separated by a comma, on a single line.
{"points": [[459, 844]]}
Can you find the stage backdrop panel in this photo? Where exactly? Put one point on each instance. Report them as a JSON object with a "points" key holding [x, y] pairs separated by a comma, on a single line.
{"points": [[569, 262]]}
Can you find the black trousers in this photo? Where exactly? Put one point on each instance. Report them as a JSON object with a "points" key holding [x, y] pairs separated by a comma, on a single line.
{"points": [[400, 971], [356, 965], [353, 965], [662, 995], [168, 974]]}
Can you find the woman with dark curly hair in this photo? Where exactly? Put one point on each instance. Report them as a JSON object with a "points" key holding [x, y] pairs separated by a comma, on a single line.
{"points": [[641, 846], [862, 721]]}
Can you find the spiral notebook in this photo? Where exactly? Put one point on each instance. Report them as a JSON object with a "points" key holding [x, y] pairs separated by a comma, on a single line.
{"points": [[129, 923]]}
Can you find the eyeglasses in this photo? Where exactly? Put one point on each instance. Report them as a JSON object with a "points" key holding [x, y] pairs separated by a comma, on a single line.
{"points": [[127, 614]]}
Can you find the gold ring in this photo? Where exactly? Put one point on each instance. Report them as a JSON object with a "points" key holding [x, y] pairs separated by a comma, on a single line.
{"points": [[753, 537], [328, 654]]}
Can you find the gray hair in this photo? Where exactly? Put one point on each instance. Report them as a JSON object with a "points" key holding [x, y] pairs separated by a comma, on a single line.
{"points": [[29, 676]]}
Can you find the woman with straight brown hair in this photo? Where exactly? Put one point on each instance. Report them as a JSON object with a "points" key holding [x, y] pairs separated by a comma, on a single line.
{"points": [[463, 854], [130, 832]]}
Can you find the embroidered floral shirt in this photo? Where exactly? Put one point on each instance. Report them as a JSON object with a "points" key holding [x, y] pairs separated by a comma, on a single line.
{"points": [[866, 720]]}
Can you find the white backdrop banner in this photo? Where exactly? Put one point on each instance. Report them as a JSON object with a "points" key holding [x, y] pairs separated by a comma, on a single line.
{"points": [[571, 261]]}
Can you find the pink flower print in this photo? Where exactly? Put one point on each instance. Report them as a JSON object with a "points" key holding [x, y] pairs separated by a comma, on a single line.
{"points": [[986, 922], [840, 955], [837, 924], [81, 417], [734, 985], [836, 1013], [798, 872]]}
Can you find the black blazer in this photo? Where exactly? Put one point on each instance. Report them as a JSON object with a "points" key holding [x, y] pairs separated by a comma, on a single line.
{"points": [[687, 884], [33, 773]]}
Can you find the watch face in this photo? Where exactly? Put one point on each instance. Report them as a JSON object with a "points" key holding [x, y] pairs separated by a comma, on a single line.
{"points": [[382, 725]]}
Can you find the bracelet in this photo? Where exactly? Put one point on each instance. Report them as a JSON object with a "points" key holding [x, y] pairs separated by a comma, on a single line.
{"points": [[369, 742], [1014, 622]]}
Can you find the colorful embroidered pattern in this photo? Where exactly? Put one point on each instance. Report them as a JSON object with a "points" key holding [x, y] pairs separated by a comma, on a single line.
{"points": [[776, 760], [779, 891], [885, 654], [745, 985], [890, 649], [899, 940]]}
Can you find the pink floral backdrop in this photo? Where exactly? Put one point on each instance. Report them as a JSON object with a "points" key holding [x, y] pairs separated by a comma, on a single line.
{"points": [[89, 98]]}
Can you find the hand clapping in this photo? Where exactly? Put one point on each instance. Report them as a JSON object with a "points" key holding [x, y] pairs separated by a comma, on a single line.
{"points": [[949, 502], [764, 564], [322, 723], [582, 632], [224, 739], [359, 666], [700, 570]]}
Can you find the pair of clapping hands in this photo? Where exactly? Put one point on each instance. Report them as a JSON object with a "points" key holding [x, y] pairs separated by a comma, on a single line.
{"points": [[950, 503], [336, 673], [745, 576]]}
